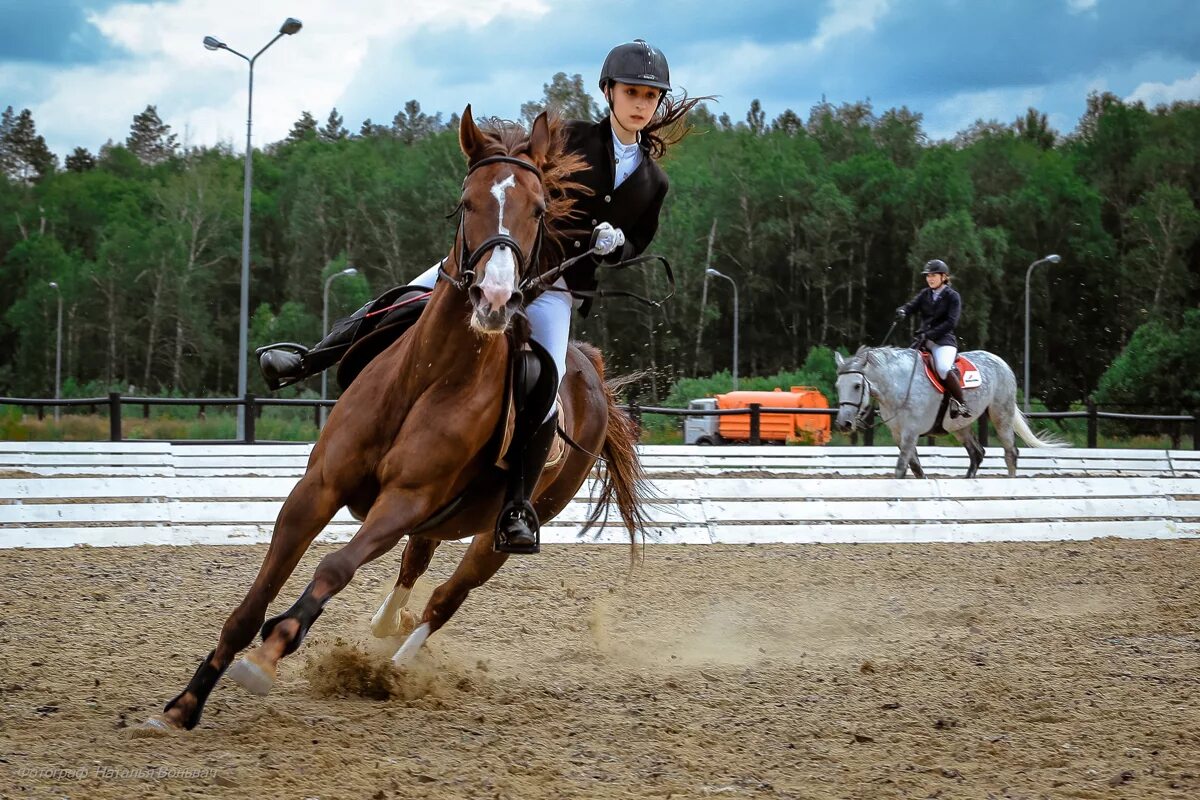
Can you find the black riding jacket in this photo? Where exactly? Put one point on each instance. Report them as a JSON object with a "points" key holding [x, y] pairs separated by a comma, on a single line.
{"points": [[939, 317], [633, 206]]}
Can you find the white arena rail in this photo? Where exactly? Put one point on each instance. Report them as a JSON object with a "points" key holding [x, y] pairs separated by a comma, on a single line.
{"points": [[130, 493]]}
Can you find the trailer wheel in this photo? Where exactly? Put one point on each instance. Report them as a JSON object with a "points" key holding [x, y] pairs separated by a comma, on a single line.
{"points": [[705, 441]]}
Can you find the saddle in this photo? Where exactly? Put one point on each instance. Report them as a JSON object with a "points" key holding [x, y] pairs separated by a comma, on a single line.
{"points": [[388, 318], [968, 372]]}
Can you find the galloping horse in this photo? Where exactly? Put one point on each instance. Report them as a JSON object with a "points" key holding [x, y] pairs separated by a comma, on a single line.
{"points": [[909, 403], [411, 447]]}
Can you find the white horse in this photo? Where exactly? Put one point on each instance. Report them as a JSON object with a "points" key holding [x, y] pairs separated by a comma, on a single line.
{"points": [[909, 404]]}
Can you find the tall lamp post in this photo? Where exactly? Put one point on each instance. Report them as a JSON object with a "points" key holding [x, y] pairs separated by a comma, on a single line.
{"points": [[325, 331], [1051, 259], [57, 351], [290, 26], [716, 274]]}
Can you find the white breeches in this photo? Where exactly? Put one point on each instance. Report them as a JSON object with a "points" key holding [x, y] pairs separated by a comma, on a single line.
{"points": [[943, 358], [549, 319]]}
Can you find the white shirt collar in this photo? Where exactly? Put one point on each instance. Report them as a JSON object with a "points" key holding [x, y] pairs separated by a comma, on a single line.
{"points": [[620, 148], [626, 158]]}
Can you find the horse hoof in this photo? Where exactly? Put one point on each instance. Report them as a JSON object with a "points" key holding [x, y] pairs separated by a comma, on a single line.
{"points": [[256, 678], [390, 619], [411, 645]]}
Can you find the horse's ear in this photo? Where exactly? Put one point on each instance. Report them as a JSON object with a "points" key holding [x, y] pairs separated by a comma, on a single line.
{"points": [[837, 359], [539, 140], [470, 138]]}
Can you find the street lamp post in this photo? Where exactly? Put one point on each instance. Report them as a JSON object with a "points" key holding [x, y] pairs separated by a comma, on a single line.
{"points": [[290, 26], [716, 274], [325, 332], [57, 351], [1052, 259]]}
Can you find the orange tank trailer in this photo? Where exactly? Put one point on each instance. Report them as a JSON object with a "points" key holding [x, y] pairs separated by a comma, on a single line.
{"points": [[790, 428]]}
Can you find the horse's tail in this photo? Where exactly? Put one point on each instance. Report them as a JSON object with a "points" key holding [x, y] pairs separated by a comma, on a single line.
{"points": [[1022, 429], [623, 481]]}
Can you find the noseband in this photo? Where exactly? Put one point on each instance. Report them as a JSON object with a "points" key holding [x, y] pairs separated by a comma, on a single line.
{"points": [[863, 406], [468, 258]]}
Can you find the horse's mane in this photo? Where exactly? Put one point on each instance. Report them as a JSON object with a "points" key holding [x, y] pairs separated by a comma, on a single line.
{"points": [[508, 138], [875, 356]]}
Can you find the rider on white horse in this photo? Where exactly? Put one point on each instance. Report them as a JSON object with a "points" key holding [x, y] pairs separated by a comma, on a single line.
{"points": [[940, 307]]}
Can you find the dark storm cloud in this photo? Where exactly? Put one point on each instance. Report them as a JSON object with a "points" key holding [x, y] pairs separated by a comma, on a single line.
{"points": [[53, 32]]}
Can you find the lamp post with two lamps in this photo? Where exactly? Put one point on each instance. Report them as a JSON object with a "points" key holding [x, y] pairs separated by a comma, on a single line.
{"points": [[325, 331], [289, 27], [716, 274], [1051, 259], [57, 351]]}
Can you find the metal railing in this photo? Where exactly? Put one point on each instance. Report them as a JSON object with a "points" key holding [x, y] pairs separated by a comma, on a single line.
{"points": [[255, 405]]}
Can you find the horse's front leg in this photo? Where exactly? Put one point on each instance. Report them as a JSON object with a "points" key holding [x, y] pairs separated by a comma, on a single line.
{"points": [[304, 514], [908, 456], [394, 512], [393, 618], [477, 566]]}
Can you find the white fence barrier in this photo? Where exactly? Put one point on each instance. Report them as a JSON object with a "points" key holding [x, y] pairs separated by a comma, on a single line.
{"points": [[126, 493]]}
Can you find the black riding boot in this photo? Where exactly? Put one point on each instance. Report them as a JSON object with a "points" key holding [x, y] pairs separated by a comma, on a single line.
{"points": [[285, 363], [958, 406], [517, 526]]}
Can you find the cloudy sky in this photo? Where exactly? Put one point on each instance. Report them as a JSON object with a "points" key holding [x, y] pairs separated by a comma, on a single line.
{"points": [[85, 67]]}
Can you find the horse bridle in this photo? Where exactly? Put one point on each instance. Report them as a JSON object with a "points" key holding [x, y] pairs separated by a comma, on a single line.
{"points": [[863, 406], [468, 258]]}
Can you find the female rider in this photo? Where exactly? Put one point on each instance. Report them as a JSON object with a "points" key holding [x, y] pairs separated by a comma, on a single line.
{"points": [[940, 307], [619, 205]]}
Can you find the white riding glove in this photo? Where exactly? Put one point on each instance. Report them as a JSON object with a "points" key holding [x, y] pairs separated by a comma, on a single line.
{"points": [[607, 239]]}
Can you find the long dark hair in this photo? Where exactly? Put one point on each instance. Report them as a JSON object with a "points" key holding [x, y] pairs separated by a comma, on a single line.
{"points": [[669, 125]]}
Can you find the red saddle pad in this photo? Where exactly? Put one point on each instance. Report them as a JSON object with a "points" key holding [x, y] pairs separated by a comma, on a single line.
{"points": [[971, 379]]}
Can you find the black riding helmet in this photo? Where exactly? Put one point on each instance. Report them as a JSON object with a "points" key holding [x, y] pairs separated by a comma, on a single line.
{"points": [[638, 64], [935, 267]]}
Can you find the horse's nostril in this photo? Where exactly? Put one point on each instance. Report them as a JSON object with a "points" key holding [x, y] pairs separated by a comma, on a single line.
{"points": [[515, 300], [475, 293]]}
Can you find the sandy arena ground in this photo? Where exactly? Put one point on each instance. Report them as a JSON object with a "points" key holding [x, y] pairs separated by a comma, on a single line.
{"points": [[951, 671]]}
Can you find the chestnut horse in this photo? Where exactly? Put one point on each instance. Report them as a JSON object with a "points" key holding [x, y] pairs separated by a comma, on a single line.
{"points": [[410, 447]]}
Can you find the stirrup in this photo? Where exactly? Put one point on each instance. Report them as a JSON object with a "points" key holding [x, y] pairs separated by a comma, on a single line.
{"points": [[521, 510], [959, 409]]}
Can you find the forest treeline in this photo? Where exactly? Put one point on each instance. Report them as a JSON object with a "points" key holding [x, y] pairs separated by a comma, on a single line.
{"points": [[822, 220]]}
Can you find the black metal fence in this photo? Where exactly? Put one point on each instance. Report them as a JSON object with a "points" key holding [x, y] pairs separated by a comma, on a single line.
{"points": [[115, 403]]}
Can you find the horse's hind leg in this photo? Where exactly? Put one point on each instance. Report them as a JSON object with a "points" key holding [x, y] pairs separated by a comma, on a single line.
{"points": [[389, 619], [304, 514], [1004, 432], [393, 513], [975, 450], [477, 566]]}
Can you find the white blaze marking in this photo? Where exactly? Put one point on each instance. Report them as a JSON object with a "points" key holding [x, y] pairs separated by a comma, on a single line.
{"points": [[499, 192], [500, 272]]}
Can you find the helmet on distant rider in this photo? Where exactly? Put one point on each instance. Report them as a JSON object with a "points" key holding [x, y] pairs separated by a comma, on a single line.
{"points": [[935, 267], [638, 64]]}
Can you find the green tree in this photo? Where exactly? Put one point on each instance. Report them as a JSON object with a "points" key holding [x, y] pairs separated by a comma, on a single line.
{"points": [[150, 139], [334, 130], [1157, 367], [23, 152], [80, 160], [567, 96]]}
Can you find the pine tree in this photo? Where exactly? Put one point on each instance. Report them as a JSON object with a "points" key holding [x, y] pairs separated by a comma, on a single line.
{"points": [[150, 139], [303, 129], [334, 130], [23, 152], [8, 161], [413, 124], [80, 160]]}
